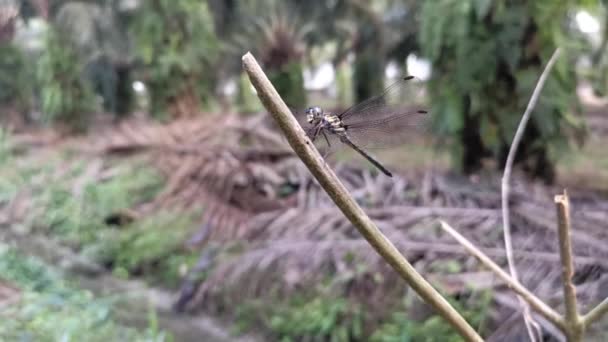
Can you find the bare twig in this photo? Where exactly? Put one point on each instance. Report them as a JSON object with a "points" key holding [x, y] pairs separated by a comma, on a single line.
{"points": [[596, 313], [505, 186], [538, 305], [508, 301], [338, 193], [574, 324]]}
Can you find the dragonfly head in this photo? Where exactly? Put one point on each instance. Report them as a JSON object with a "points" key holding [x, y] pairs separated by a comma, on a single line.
{"points": [[314, 114]]}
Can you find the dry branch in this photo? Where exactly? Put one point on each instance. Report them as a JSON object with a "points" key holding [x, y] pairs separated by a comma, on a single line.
{"points": [[542, 308], [596, 313], [336, 190], [574, 324], [530, 324]]}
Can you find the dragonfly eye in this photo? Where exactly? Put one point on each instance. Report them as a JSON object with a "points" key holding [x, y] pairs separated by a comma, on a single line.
{"points": [[313, 113], [309, 117]]}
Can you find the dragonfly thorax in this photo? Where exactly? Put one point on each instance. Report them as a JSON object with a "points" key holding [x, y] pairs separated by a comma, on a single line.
{"points": [[376, 122], [331, 122]]}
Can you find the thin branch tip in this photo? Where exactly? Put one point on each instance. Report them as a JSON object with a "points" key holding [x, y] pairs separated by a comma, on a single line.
{"points": [[505, 189], [247, 55], [525, 295]]}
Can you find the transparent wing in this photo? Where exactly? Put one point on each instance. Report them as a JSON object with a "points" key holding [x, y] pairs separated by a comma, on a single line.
{"points": [[386, 120], [406, 90], [389, 131]]}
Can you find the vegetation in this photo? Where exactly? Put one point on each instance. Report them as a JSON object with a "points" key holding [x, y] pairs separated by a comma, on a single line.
{"points": [[401, 328], [151, 247], [216, 209], [15, 88], [65, 95], [91, 218], [334, 318], [178, 48], [487, 57], [50, 309]]}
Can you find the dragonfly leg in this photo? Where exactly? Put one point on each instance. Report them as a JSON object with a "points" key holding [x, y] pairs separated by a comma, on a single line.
{"points": [[326, 140], [328, 145]]}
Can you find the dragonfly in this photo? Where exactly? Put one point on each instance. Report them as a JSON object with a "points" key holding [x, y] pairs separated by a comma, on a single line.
{"points": [[378, 122]]}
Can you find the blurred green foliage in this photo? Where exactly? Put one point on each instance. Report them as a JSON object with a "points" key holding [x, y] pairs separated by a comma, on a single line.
{"points": [[15, 84], [289, 82], [401, 328], [150, 246], [49, 309], [487, 56], [246, 99], [597, 72], [302, 319], [176, 44], [318, 319], [84, 212], [65, 96], [334, 318], [78, 216]]}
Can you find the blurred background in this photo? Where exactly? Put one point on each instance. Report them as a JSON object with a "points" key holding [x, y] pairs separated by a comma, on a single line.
{"points": [[146, 195]]}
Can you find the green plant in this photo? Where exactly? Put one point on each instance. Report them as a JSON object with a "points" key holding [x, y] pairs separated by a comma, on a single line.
{"points": [[15, 81], [321, 319], [66, 97], [80, 218], [49, 309], [487, 57], [401, 328], [304, 318], [154, 243], [178, 48]]}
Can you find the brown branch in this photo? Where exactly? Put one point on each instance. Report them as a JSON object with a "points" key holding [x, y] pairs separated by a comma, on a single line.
{"points": [[538, 305], [505, 185], [574, 324], [338, 193]]}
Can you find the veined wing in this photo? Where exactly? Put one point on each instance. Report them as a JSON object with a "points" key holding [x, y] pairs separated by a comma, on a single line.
{"points": [[388, 131], [386, 103]]}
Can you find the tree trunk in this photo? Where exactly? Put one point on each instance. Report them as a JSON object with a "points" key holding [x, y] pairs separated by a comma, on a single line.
{"points": [[289, 82], [368, 76]]}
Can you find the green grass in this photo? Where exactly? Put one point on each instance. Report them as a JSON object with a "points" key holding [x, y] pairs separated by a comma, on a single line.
{"points": [[150, 247], [50, 309], [74, 205], [320, 317]]}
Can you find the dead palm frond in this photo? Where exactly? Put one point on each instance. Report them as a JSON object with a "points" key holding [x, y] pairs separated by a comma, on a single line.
{"points": [[217, 164]]}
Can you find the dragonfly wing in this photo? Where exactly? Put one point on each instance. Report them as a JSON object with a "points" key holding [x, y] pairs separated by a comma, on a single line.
{"points": [[409, 88], [388, 130], [383, 121]]}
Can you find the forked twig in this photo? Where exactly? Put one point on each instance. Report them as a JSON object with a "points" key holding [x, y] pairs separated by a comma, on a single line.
{"points": [[538, 305], [530, 324], [335, 189], [596, 313]]}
